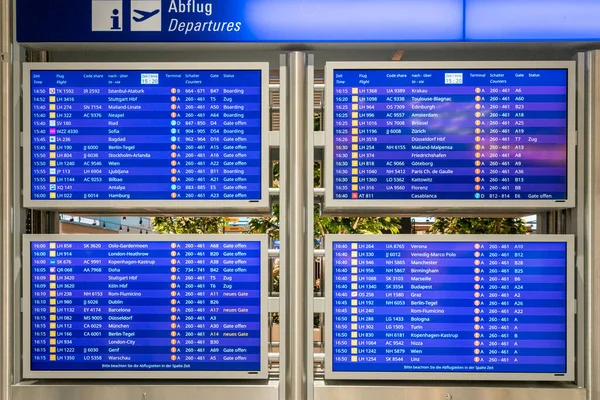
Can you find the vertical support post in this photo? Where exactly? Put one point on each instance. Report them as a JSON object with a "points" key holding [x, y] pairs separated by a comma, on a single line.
{"points": [[39, 56], [294, 228], [542, 222], [592, 220], [309, 218], [19, 213], [283, 224], [6, 213], [579, 226]]}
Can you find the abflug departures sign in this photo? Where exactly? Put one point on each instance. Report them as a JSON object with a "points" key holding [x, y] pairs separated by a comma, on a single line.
{"points": [[186, 306], [484, 136], [238, 21], [493, 307], [144, 135]]}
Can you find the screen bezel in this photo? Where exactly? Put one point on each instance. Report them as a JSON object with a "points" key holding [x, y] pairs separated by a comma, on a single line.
{"points": [[28, 373], [197, 207], [407, 207], [452, 376]]}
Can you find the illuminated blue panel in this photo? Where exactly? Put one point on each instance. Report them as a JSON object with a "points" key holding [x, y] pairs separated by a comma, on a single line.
{"points": [[450, 134], [355, 20], [438, 307], [146, 135], [514, 20], [175, 305], [239, 21]]}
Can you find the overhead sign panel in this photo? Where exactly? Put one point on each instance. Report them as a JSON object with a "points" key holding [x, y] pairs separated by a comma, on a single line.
{"points": [[455, 307], [541, 20], [239, 21], [146, 137], [417, 136], [182, 306], [264, 21]]}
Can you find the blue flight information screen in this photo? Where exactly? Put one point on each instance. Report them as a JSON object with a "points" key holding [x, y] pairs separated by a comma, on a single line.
{"points": [[498, 307], [146, 135], [450, 134], [146, 306]]}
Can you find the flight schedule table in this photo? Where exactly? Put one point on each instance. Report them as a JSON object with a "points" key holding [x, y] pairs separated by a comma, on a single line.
{"points": [[482, 306], [146, 135], [489, 134], [146, 306]]}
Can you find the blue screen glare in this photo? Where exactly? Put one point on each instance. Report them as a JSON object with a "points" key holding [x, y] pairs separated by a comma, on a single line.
{"points": [[146, 306], [450, 134], [146, 135], [449, 307]]}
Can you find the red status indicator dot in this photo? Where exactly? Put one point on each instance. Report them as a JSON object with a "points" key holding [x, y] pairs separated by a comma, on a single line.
{"points": [[355, 195]]}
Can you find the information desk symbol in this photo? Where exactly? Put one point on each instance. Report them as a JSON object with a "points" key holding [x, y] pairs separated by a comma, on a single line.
{"points": [[107, 15]]}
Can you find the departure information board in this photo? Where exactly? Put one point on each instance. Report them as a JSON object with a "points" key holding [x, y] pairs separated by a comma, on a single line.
{"points": [[190, 136], [487, 306], [174, 306], [483, 135]]}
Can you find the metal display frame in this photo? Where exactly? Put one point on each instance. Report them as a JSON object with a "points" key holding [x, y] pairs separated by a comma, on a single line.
{"points": [[28, 373], [197, 207], [281, 380], [568, 376], [405, 207]]}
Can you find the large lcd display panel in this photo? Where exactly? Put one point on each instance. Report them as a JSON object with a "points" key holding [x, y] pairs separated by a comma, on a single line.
{"points": [[160, 306], [450, 136], [450, 307], [159, 137]]}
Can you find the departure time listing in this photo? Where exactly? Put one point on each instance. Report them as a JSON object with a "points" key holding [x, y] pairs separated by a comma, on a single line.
{"points": [[146, 135], [143, 306], [450, 134], [449, 307]]}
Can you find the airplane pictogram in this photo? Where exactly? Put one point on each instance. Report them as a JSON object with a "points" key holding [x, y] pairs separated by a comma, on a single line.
{"points": [[144, 15]]}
